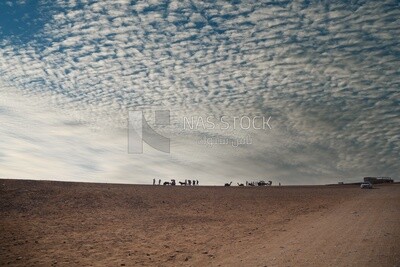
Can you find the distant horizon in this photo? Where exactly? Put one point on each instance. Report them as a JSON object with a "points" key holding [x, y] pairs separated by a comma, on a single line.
{"points": [[234, 182]]}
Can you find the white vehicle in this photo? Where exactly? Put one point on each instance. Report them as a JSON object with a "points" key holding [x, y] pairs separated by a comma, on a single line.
{"points": [[366, 185]]}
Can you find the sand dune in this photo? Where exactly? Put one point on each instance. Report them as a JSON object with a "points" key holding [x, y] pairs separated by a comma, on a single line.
{"points": [[78, 224]]}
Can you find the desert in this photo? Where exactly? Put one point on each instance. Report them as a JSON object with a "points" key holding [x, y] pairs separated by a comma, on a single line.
{"points": [[48, 223]]}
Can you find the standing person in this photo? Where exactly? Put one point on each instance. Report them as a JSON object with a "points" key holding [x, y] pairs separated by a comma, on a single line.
{"points": [[190, 182], [159, 181], [197, 182], [186, 182], [154, 181], [194, 182]]}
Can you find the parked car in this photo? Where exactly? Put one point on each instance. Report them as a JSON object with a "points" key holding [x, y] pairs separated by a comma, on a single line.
{"points": [[366, 185]]}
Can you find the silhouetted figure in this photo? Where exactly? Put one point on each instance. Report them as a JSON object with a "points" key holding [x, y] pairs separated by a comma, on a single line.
{"points": [[182, 183], [186, 182], [279, 184], [197, 182], [190, 182], [159, 182], [193, 182], [173, 182], [154, 181], [166, 183], [228, 184], [247, 183]]}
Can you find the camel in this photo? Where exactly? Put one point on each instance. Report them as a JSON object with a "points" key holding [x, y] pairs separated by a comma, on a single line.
{"points": [[226, 184], [166, 183], [240, 184], [182, 183]]}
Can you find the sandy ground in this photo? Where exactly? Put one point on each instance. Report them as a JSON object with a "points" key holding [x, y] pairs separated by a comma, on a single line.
{"points": [[77, 224]]}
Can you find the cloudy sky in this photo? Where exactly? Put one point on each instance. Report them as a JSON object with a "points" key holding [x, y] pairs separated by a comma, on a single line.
{"points": [[325, 72]]}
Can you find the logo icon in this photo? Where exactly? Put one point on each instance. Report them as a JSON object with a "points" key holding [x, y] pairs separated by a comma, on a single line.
{"points": [[139, 130]]}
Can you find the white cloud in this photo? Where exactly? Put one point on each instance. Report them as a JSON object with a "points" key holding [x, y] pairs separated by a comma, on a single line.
{"points": [[328, 76]]}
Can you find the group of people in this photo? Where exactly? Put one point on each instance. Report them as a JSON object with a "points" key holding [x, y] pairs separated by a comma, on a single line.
{"points": [[256, 183], [173, 182]]}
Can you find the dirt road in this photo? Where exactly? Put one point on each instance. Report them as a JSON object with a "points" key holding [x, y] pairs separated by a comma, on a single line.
{"points": [[362, 231], [77, 224]]}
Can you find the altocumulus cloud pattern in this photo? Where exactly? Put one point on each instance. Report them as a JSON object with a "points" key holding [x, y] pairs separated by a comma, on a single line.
{"points": [[327, 72]]}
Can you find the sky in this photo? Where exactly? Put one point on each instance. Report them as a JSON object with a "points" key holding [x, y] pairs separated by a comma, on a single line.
{"points": [[325, 74]]}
